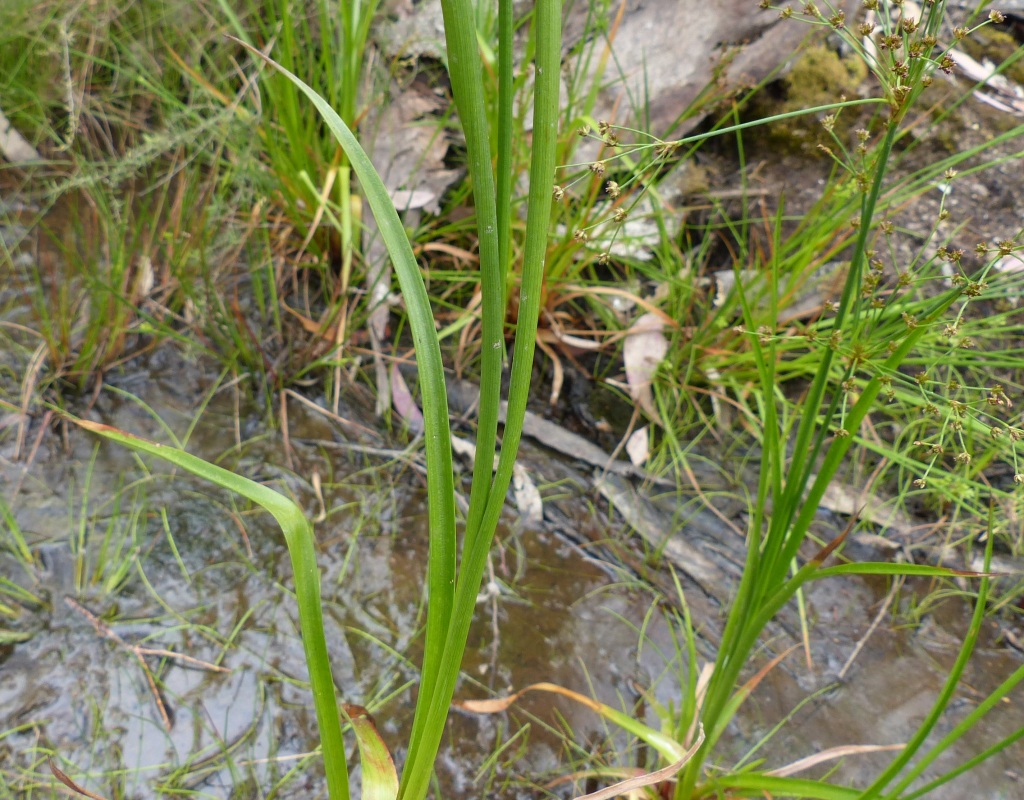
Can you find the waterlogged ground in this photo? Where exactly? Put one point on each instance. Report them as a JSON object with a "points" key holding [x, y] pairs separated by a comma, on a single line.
{"points": [[128, 555]]}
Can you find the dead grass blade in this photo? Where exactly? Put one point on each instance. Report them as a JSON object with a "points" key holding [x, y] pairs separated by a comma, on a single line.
{"points": [[650, 778], [74, 787], [830, 755]]}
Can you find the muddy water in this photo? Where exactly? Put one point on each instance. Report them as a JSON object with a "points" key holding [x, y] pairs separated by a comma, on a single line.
{"points": [[126, 555]]}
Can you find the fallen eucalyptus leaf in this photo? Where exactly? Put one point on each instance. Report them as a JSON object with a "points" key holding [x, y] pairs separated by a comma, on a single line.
{"points": [[642, 352]]}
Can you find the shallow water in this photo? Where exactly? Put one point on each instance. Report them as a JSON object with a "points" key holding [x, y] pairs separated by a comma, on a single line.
{"points": [[560, 614]]}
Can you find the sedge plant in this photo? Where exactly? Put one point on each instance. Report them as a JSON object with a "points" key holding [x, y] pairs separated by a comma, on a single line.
{"points": [[454, 573], [870, 348], [858, 358]]}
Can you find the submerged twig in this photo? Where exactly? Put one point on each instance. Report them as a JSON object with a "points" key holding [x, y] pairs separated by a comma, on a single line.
{"points": [[138, 651]]}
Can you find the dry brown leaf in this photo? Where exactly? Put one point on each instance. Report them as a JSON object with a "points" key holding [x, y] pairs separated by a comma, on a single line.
{"points": [[402, 401], [638, 446], [642, 352]]}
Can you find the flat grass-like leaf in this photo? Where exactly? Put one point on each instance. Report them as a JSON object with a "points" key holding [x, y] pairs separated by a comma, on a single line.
{"points": [[298, 534], [754, 784], [441, 570]]}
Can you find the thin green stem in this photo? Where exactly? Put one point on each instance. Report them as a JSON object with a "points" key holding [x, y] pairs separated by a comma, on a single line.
{"points": [[464, 69], [505, 123], [547, 18]]}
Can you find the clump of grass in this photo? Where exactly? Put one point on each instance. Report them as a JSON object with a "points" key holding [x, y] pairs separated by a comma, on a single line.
{"points": [[892, 342]]}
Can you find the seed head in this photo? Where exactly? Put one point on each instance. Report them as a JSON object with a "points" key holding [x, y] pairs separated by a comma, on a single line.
{"points": [[619, 215], [598, 168], [997, 17], [613, 189], [900, 93], [997, 397]]}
